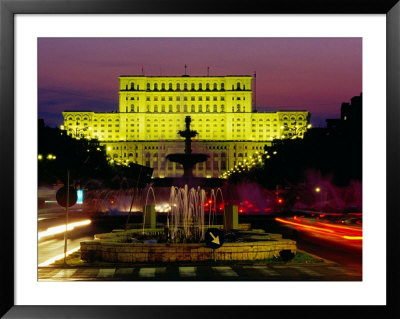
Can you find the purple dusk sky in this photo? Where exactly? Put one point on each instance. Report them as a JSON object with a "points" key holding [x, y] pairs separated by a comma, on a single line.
{"points": [[314, 74]]}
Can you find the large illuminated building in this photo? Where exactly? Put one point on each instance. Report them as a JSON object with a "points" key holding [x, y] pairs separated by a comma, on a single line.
{"points": [[152, 109]]}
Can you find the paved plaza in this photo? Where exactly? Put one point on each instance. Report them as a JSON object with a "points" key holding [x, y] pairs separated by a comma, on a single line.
{"points": [[317, 272]]}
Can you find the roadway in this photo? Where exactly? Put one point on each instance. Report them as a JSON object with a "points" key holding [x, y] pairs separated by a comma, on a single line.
{"points": [[343, 252], [51, 229], [51, 226], [53, 244]]}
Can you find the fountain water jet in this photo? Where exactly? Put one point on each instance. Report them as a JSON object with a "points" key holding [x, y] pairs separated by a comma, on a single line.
{"points": [[219, 190], [186, 218], [146, 206]]}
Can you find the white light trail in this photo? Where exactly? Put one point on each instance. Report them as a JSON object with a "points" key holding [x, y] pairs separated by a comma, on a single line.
{"points": [[61, 228], [58, 257]]}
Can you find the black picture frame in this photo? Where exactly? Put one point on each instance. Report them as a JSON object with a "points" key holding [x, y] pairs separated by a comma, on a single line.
{"points": [[8, 10]]}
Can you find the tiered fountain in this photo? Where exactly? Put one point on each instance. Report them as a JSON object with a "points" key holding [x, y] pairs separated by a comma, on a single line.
{"points": [[188, 160]]}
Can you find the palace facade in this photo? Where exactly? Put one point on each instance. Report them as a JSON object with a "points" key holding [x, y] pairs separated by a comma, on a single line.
{"points": [[152, 109]]}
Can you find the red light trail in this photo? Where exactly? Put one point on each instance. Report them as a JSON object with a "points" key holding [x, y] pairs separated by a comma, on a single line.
{"points": [[326, 230]]}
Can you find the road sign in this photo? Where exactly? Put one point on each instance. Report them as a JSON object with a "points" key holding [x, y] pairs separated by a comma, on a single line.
{"points": [[214, 238], [79, 194], [61, 196]]}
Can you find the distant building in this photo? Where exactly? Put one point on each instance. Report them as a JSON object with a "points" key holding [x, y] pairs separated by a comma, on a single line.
{"points": [[153, 108], [352, 112], [350, 121]]}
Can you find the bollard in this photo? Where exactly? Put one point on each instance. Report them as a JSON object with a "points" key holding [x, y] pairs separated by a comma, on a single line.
{"points": [[231, 217], [149, 216]]}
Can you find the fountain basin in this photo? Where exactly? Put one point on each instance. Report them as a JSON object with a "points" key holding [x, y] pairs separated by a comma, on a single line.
{"points": [[112, 248]]}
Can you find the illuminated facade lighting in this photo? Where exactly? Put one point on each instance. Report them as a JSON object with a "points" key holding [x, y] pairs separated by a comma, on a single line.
{"points": [[153, 109]]}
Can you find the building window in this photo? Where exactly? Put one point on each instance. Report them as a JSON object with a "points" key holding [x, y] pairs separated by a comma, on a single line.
{"points": [[200, 87], [215, 87], [148, 87], [208, 86], [163, 108], [162, 86], [178, 86], [185, 108], [215, 108], [192, 87], [185, 87], [170, 86], [222, 86], [222, 108], [170, 108], [238, 86], [155, 87], [200, 109], [192, 108], [178, 108]]}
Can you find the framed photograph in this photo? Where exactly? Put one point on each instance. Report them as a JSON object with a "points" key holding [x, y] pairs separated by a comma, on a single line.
{"points": [[169, 159]]}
